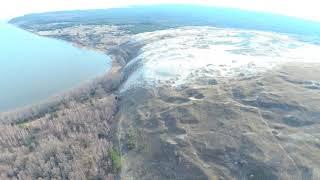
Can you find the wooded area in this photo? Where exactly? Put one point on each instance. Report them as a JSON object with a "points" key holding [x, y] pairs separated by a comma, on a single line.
{"points": [[70, 137]]}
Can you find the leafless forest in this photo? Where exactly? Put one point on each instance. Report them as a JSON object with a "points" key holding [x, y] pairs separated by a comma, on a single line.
{"points": [[67, 138]]}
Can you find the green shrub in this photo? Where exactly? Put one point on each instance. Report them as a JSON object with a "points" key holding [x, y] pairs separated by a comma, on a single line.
{"points": [[115, 160], [23, 125], [30, 141], [131, 142]]}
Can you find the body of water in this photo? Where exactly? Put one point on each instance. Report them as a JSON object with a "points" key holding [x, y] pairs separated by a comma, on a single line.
{"points": [[33, 68]]}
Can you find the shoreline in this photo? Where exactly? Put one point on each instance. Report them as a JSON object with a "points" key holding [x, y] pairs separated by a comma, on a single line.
{"points": [[64, 92]]}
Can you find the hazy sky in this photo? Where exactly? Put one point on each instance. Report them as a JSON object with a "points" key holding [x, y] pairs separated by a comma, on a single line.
{"points": [[307, 9]]}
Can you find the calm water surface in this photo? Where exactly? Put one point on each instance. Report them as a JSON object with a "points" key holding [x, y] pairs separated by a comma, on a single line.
{"points": [[33, 68]]}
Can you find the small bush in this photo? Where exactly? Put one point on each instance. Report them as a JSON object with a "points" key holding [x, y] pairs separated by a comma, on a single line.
{"points": [[131, 142], [115, 160], [23, 125], [30, 141]]}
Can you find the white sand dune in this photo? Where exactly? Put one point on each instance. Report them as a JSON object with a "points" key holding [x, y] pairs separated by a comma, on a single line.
{"points": [[177, 55]]}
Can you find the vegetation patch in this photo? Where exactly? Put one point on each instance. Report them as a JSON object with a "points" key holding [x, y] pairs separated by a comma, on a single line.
{"points": [[31, 142], [23, 125], [115, 160], [131, 140]]}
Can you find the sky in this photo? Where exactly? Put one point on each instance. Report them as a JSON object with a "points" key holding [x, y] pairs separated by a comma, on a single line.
{"points": [[306, 9]]}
